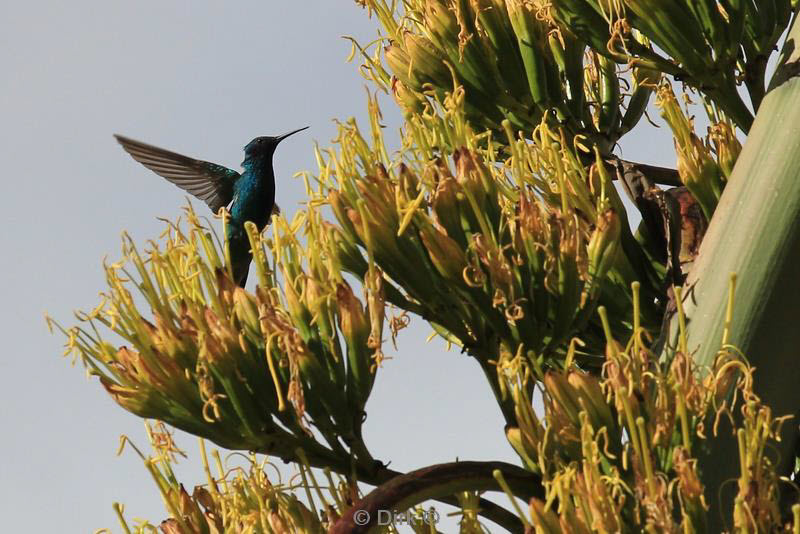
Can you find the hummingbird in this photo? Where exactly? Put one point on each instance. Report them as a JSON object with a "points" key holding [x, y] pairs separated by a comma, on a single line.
{"points": [[250, 194]]}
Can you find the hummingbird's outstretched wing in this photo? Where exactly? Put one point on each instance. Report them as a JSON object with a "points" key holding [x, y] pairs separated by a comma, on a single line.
{"points": [[211, 183]]}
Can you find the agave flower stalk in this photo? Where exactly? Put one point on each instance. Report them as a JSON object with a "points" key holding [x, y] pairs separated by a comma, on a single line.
{"points": [[712, 46], [234, 499], [754, 234], [704, 165], [498, 224], [510, 58], [231, 366], [613, 455], [480, 245]]}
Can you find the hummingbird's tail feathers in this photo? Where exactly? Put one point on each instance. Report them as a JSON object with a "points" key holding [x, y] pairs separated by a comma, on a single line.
{"points": [[240, 262], [242, 279], [209, 182]]}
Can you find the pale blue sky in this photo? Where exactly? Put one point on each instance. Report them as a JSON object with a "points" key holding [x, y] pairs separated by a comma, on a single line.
{"points": [[201, 78]]}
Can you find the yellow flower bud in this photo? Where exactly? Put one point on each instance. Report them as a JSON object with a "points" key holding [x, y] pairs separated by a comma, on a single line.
{"points": [[400, 64], [427, 63], [447, 256], [409, 101], [352, 317], [603, 245]]}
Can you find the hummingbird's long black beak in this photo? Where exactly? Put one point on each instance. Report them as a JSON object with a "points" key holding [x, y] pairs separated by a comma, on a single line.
{"points": [[284, 136]]}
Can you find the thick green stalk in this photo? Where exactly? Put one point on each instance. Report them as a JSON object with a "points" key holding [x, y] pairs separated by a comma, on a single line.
{"points": [[755, 233]]}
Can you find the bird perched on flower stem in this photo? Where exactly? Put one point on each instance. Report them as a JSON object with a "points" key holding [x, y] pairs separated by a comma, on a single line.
{"points": [[251, 194]]}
